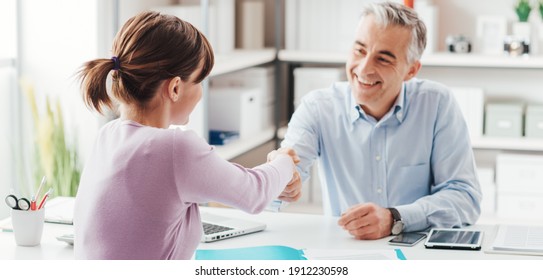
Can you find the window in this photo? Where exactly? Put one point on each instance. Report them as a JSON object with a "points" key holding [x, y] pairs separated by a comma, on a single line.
{"points": [[8, 51]]}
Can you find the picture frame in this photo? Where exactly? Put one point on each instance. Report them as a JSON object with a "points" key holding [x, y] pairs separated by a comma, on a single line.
{"points": [[491, 30]]}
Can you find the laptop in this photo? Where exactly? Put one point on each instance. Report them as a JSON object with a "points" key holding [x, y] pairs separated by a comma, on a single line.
{"points": [[217, 227], [60, 210]]}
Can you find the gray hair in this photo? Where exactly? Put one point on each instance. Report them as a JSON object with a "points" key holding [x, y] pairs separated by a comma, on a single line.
{"points": [[390, 13]]}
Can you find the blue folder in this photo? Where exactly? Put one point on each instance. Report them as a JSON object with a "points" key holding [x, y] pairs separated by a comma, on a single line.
{"points": [[262, 253], [252, 253]]}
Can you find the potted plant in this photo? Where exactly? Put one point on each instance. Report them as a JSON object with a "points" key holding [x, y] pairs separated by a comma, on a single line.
{"points": [[523, 10], [54, 157], [541, 8]]}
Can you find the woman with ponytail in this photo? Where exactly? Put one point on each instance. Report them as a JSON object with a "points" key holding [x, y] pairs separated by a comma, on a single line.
{"points": [[140, 189]]}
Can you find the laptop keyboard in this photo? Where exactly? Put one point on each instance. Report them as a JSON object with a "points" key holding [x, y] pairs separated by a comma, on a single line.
{"points": [[211, 228]]}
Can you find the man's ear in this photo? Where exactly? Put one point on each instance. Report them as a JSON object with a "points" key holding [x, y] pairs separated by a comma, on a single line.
{"points": [[174, 89], [413, 70]]}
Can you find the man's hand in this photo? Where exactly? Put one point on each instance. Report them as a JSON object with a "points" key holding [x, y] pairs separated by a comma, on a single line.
{"points": [[293, 190], [367, 221]]}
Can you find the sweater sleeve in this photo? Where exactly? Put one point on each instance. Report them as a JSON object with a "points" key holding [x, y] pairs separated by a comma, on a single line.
{"points": [[202, 176]]}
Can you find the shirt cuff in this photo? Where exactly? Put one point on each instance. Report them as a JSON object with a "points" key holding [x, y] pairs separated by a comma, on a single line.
{"points": [[413, 217]]}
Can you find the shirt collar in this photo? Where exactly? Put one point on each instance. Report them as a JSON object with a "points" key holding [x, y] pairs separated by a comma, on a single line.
{"points": [[397, 109], [399, 105]]}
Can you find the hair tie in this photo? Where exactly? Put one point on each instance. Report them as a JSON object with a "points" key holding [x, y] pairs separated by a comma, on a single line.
{"points": [[116, 63]]}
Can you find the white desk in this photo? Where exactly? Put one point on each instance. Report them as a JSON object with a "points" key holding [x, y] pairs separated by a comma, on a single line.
{"points": [[49, 249], [302, 231]]}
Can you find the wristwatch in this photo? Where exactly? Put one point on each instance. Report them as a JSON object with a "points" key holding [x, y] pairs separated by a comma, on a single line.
{"points": [[397, 224]]}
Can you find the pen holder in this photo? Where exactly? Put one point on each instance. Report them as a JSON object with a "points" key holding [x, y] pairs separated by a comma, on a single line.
{"points": [[27, 226]]}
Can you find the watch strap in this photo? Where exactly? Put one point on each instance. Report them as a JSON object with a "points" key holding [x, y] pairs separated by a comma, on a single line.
{"points": [[397, 224], [395, 214]]}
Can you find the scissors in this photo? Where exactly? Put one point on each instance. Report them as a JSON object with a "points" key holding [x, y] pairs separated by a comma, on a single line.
{"points": [[17, 204]]}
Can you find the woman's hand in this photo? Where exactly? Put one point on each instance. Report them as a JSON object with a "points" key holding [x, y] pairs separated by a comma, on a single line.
{"points": [[285, 151]]}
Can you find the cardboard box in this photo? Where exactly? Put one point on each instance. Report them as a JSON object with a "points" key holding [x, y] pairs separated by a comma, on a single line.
{"points": [[516, 173], [504, 120], [519, 206], [471, 102], [256, 77], [488, 189], [251, 25], [534, 121], [235, 109]]}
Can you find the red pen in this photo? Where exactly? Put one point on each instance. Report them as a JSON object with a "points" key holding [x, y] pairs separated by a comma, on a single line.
{"points": [[44, 199], [34, 197]]}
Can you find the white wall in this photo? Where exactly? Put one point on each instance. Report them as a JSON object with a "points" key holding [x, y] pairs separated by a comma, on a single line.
{"points": [[57, 37]]}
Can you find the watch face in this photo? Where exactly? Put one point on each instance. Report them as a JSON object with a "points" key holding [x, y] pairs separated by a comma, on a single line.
{"points": [[397, 227]]}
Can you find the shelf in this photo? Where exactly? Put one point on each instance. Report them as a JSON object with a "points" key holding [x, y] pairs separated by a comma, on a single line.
{"points": [[434, 59], [516, 144], [241, 59], [313, 56], [482, 61], [241, 146]]}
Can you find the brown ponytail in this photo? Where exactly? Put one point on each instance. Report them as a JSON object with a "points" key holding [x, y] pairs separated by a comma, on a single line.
{"points": [[94, 75], [149, 48]]}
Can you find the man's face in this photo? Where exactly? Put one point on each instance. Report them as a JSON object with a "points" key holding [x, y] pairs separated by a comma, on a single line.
{"points": [[377, 65]]}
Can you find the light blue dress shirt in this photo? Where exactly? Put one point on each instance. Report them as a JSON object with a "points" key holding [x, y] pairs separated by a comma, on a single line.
{"points": [[417, 158]]}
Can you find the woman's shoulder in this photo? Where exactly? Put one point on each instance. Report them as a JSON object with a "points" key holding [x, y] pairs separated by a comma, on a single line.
{"points": [[188, 139]]}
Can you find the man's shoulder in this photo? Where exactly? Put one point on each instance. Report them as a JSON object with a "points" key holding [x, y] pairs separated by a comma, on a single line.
{"points": [[336, 91], [423, 86], [427, 89]]}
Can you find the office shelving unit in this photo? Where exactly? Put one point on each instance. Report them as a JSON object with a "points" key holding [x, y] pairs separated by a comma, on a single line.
{"points": [[295, 56], [231, 62], [241, 59], [432, 59], [510, 144], [482, 61], [235, 60], [242, 146]]}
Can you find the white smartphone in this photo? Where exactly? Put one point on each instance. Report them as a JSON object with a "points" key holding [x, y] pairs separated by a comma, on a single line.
{"points": [[68, 238], [407, 239]]}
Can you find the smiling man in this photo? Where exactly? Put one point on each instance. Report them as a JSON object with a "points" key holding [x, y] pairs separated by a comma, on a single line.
{"points": [[394, 151]]}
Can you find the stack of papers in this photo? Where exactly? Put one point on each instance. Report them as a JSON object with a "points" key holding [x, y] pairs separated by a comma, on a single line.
{"points": [[60, 210], [519, 239], [5, 225], [288, 253]]}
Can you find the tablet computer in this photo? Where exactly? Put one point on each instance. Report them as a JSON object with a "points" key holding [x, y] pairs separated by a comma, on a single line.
{"points": [[454, 238]]}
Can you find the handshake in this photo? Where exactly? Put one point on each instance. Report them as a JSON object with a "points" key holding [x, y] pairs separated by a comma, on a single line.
{"points": [[293, 190]]}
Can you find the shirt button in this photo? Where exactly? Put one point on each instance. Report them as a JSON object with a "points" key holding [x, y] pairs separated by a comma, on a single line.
{"points": [[377, 158], [379, 190]]}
